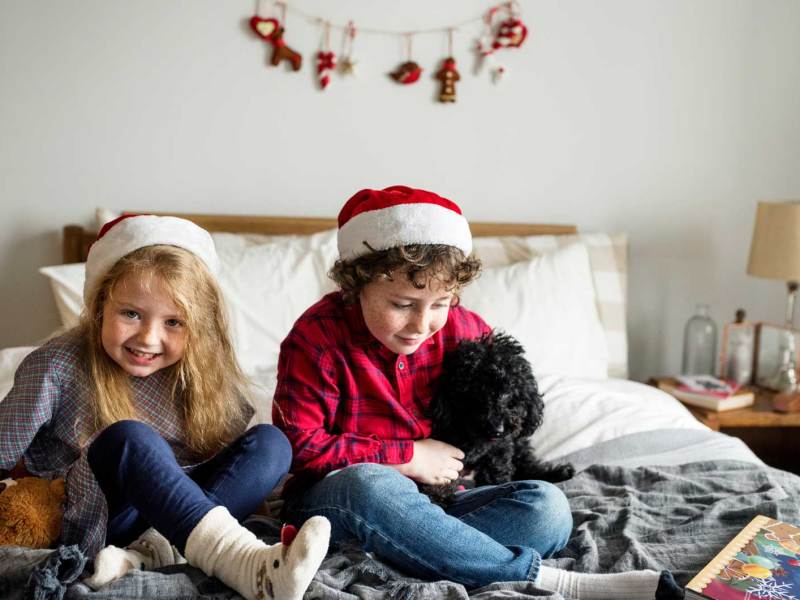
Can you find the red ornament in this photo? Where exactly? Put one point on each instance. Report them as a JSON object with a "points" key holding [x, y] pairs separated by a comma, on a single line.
{"points": [[271, 31], [448, 75], [264, 28], [511, 34], [794, 562], [326, 62], [408, 72]]}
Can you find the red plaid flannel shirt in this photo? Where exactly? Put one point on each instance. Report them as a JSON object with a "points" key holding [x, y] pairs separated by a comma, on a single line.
{"points": [[345, 398]]}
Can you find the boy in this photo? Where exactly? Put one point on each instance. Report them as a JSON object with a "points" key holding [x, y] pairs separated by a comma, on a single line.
{"points": [[354, 377]]}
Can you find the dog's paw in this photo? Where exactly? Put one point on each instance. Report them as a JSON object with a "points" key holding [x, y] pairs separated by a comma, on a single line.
{"points": [[563, 472]]}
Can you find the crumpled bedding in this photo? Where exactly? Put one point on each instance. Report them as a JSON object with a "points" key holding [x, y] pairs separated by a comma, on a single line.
{"points": [[629, 514]]}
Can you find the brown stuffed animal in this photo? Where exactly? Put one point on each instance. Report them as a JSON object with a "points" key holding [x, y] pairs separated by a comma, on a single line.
{"points": [[30, 512]]}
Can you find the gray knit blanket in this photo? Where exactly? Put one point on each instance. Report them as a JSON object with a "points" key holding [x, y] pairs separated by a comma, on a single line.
{"points": [[660, 500]]}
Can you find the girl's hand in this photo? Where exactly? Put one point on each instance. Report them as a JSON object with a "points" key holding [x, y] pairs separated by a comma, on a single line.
{"points": [[434, 462]]}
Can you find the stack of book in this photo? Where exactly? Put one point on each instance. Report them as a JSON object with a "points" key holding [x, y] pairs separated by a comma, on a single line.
{"points": [[707, 391]]}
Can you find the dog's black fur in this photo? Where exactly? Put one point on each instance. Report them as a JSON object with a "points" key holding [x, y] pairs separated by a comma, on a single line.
{"points": [[488, 404]]}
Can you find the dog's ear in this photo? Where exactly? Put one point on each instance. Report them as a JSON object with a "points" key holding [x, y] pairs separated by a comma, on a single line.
{"points": [[534, 407], [527, 388]]}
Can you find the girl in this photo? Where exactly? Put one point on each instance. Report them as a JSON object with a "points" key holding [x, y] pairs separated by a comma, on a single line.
{"points": [[141, 407]]}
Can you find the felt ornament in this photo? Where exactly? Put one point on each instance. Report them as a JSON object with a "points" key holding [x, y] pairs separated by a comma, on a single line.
{"points": [[347, 65], [486, 48], [511, 33], [271, 30], [447, 76], [326, 60], [409, 71]]}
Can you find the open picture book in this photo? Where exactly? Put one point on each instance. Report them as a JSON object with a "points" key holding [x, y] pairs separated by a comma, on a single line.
{"points": [[762, 561]]}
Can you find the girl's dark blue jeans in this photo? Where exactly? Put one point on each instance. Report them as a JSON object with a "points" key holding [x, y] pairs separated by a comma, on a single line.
{"points": [[145, 486]]}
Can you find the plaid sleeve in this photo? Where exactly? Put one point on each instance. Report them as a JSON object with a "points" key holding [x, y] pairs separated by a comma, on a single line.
{"points": [[86, 510], [305, 405], [28, 406]]}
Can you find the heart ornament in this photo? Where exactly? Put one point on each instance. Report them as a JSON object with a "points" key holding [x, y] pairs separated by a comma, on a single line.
{"points": [[264, 28]]}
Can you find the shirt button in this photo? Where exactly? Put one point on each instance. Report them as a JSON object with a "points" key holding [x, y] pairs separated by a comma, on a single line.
{"points": [[401, 365]]}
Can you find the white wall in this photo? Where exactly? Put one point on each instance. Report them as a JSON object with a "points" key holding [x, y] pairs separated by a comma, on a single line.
{"points": [[665, 119]]}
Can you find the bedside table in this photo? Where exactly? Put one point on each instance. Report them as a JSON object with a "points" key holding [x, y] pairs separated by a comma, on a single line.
{"points": [[773, 436]]}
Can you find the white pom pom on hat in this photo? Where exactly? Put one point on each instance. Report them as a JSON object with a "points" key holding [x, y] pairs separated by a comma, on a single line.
{"points": [[127, 233], [400, 216]]}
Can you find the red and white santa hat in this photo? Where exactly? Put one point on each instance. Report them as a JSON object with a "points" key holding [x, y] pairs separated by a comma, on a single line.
{"points": [[127, 233], [400, 216]]}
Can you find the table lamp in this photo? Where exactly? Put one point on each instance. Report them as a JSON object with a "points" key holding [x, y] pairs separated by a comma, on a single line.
{"points": [[775, 254]]}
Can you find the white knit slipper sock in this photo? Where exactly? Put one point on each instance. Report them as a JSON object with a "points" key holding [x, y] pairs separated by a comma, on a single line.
{"points": [[633, 585], [150, 550], [221, 547]]}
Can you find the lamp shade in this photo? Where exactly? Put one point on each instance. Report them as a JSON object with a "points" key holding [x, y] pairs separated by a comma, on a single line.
{"points": [[775, 248]]}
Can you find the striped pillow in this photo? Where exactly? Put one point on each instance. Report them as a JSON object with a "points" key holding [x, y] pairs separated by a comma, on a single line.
{"points": [[608, 258]]}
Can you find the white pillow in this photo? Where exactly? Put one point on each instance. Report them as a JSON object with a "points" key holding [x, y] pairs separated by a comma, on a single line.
{"points": [[268, 286], [608, 260], [9, 361], [548, 304], [67, 284]]}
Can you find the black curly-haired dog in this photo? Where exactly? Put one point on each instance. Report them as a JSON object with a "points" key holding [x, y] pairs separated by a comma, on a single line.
{"points": [[488, 405]]}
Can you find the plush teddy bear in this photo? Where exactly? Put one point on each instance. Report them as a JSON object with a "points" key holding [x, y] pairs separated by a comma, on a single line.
{"points": [[30, 512]]}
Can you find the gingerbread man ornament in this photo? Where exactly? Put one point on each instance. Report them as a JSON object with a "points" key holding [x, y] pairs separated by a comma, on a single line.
{"points": [[448, 75]]}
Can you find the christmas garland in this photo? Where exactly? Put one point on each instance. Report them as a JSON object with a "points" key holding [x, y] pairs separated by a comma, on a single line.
{"points": [[503, 28]]}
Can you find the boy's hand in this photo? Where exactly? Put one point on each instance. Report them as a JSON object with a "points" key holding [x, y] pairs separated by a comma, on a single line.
{"points": [[434, 462]]}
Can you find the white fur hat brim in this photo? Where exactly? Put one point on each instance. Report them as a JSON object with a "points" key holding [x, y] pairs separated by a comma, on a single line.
{"points": [[403, 225], [139, 231]]}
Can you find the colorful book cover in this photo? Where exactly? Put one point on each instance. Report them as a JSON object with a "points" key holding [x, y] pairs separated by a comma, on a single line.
{"points": [[761, 563]]}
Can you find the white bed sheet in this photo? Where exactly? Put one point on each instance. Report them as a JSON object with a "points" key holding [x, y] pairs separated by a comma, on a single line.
{"points": [[578, 412], [582, 412]]}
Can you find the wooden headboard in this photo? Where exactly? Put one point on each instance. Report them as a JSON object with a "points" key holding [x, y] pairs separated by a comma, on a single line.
{"points": [[77, 239]]}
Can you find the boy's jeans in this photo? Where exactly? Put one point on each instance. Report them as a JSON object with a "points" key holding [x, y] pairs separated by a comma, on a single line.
{"points": [[144, 485], [491, 533]]}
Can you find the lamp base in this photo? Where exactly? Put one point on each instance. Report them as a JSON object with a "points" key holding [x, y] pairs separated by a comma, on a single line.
{"points": [[786, 402]]}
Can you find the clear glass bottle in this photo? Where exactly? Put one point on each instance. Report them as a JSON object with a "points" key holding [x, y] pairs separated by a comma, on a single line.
{"points": [[740, 346], [699, 344]]}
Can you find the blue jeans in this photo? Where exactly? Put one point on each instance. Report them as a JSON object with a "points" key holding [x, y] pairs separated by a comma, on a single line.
{"points": [[145, 486], [491, 533]]}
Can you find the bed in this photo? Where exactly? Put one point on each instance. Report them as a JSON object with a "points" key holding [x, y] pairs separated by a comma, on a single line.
{"points": [[655, 488]]}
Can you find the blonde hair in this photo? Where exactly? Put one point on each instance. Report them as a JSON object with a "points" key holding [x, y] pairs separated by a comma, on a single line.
{"points": [[207, 378]]}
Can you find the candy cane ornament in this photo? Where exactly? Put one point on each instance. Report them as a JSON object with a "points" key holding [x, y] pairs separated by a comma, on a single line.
{"points": [[326, 59]]}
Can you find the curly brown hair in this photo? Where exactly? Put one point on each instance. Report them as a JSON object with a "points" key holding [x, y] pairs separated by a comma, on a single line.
{"points": [[421, 263]]}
